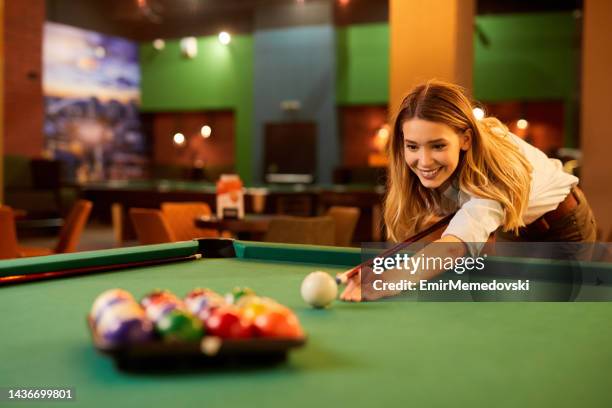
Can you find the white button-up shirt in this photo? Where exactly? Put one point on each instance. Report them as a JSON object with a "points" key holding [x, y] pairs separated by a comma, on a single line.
{"points": [[477, 218]]}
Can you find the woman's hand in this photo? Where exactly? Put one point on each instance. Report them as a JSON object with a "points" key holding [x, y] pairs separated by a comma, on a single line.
{"points": [[352, 291], [360, 287]]}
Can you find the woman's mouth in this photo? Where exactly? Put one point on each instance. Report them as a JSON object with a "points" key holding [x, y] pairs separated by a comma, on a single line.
{"points": [[429, 174]]}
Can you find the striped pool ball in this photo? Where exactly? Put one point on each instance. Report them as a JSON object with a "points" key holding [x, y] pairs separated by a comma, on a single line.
{"points": [[158, 295], [159, 302], [124, 323], [157, 310], [108, 299], [200, 301]]}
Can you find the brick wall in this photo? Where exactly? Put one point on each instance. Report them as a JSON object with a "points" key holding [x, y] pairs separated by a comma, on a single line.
{"points": [[23, 99]]}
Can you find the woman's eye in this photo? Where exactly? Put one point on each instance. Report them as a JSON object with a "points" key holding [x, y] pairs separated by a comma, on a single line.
{"points": [[439, 146], [412, 148]]}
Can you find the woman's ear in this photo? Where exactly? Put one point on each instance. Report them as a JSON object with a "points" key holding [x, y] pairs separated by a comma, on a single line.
{"points": [[466, 140]]}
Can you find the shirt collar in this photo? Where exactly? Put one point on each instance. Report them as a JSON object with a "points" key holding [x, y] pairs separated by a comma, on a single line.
{"points": [[452, 191]]}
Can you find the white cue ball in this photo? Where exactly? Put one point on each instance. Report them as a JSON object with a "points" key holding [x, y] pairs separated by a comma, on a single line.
{"points": [[319, 289]]}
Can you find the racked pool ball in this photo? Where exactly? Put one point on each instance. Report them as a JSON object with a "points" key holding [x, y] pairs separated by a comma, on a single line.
{"points": [[319, 289], [238, 293], [124, 323], [201, 302], [158, 310], [226, 322], [157, 296], [106, 300], [178, 325], [160, 302], [277, 324]]}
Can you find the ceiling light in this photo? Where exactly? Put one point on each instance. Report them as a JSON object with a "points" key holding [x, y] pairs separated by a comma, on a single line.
{"points": [[206, 131], [179, 139], [478, 113], [189, 47], [159, 44], [225, 38]]}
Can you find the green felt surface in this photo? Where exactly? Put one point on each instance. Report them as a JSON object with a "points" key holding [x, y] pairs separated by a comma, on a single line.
{"points": [[388, 353]]}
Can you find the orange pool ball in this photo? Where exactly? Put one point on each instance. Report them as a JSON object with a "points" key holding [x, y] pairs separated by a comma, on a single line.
{"points": [[277, 324]]}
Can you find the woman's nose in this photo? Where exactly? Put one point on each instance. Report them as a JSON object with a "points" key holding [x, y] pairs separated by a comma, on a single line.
{"points": [[425, 158]]}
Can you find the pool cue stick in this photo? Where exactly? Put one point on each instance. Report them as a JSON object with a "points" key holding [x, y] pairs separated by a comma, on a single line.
{"points": [[343, 279], [16, 279]]}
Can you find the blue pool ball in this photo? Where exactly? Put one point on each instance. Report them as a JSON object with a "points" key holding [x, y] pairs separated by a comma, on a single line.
{"points": [[124, 323]]}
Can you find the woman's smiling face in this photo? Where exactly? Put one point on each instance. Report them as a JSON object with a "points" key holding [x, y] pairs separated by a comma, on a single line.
{"points": [[431, 150]]}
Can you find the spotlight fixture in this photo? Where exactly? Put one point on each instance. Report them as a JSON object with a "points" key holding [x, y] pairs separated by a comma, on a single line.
{"points": [[522, 124]]}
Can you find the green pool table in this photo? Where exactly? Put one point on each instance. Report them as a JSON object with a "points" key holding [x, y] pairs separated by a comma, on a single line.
{"points": [[389, 353]]}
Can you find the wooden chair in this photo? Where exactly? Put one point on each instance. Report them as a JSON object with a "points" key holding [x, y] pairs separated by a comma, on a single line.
{"points": [[301, 230], [69, 235], [117, 216], [345, 219], [151, 226], [8, 242], [181, 220], [73, 228]]}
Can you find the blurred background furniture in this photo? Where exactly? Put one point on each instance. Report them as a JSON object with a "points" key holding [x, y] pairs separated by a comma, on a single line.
{"points": [[151, 226], [301, 230], [70, 233], [35, 186], [295, 200], [8, 242], [68, 238], [180, 218], [252, 227], [345, 219]]}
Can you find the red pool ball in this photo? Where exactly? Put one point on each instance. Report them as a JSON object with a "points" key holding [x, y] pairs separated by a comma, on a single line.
{"points": [[226, 322]]}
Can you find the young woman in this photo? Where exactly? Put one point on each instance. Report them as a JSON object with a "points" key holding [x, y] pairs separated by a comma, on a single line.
{"points": [[442, 159]]}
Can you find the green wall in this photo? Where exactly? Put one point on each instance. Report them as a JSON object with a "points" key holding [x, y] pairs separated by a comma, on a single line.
{"points": [[529, 57], [362, 65], [220, 77]]}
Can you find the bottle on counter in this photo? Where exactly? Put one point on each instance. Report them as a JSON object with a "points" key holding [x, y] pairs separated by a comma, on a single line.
{"points": [[230, 197]]}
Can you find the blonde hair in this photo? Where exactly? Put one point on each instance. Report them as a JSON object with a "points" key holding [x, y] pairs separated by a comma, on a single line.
{"points": [[491, 168]]}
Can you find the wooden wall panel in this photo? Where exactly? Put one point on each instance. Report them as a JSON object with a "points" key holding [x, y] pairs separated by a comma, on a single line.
{"points": [[358, 128], [218, 150]]}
